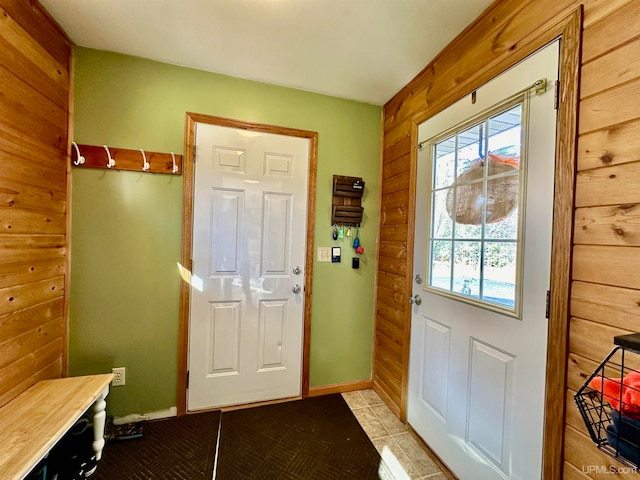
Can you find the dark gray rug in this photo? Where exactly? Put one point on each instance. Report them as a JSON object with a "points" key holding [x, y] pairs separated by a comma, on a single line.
{"points": [[316, 438], [180, 448]]}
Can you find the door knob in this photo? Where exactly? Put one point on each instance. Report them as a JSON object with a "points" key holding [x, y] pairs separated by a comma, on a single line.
{"points": [[416, 299], [418, 279], [296, 288], [297, 270]]}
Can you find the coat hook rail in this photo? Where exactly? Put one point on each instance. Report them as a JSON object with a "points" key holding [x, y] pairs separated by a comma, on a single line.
{"points": [[93, 156], [145, 164], [110, 161], [79, 158]]}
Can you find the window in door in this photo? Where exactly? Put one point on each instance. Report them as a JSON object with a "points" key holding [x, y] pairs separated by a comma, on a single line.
{"points": [[476, 209]]}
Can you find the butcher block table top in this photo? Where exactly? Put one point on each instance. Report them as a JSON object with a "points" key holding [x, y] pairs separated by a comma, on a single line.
{"points": [[32, 423]]}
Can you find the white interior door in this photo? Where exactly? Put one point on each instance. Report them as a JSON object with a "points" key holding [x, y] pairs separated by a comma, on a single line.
{"points": [[484, 206], [249, 235]]}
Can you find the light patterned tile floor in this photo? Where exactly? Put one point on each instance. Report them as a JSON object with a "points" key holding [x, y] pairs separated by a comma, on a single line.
{"points": [[402, 454]]}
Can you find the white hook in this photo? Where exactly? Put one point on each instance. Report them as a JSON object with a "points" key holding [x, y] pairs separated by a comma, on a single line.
{"points": [[111, 162], [80, 159], [175, 167], [145, 164]]}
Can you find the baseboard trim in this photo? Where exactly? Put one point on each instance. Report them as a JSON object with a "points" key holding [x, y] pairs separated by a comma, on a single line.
{"points": [[340, 388], [436, 459], [135, 417]]}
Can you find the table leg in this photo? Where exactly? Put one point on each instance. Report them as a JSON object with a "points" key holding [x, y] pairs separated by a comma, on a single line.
{"points": [[99, 421]]}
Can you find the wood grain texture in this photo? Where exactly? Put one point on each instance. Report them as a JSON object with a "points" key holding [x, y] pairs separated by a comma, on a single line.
{"points": [[561, 245], [187, 237], [611, 31], [607, 265], [33, 423], [583, 454], [618, 184], [606, 304], [594, 341], [611, 70], [610, 146], [608, 225], [579, 370], [35, 86], [609, 107], [595, 10]]}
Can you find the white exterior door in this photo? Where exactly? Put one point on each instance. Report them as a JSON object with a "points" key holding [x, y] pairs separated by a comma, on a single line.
{"points": [[484, 206], [249, 243]]}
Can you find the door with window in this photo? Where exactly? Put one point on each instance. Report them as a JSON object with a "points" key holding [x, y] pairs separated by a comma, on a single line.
{"points": [[484, 205], [246, 323]]}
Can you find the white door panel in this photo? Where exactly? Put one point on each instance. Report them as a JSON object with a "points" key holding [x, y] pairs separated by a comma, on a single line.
{"points": [[249, 233], [477, 370]]}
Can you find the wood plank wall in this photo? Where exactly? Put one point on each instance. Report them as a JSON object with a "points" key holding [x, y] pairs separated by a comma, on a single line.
{"points": [[35, 61], [605, 294]]}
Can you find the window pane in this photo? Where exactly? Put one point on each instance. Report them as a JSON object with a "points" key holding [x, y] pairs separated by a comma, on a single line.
{"points": [[475, 210], [501, 205], [466, 268], [499, 283], [444, 163], [470, 148], [505, 229], [469, 209], [442, 224], [441, 264], [505, 132]]}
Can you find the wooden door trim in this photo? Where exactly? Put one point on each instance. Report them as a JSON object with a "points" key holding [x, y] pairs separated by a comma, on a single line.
{"points": [[187, 238], [569, 31]]}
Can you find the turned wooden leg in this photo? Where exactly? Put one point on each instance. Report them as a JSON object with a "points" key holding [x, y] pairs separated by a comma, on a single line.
{"points": [[99, 420]]}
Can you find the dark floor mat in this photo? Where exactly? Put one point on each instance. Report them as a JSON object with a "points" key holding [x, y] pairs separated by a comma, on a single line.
{"points": [[171, 449], [316, 438]]}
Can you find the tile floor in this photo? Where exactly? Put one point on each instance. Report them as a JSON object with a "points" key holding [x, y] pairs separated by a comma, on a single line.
{"points": [[403, 455]]}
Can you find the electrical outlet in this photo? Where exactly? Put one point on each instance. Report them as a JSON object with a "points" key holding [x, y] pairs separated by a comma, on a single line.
{"points": [[324, 254], [118, 376]]}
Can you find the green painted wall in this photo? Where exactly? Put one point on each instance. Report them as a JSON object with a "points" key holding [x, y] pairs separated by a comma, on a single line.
{"points": [[126, 226]]}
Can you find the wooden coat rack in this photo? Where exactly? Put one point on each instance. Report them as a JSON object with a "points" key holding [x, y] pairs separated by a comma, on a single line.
{"points": [[92, 156]]}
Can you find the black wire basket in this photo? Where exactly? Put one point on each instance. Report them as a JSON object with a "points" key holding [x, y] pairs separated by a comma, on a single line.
{"points": [[609, 401]]}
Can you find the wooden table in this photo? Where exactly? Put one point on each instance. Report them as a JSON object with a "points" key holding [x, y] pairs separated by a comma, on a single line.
{"points": [[32, 423]]}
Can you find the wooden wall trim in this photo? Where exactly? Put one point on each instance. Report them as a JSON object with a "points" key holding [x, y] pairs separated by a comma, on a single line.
{"points": [[340, 388], [65, 353], [187, 238], [561, 247]]}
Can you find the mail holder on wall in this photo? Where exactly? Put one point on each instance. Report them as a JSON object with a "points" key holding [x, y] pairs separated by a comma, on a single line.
{"points": [[346, 208]]}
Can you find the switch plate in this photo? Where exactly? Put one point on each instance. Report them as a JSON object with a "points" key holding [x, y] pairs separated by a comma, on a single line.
{"points": [[324, 254]]}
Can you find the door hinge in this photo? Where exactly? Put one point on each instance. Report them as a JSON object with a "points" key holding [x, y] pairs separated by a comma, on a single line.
{"points": [[556, 95], [187, 378], [193, 153], [546, 315]]}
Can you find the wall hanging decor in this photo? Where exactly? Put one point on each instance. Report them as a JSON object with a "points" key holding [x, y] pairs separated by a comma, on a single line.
{"points": [[609, 401], [125, 159], [346, 208], [501, 196]]}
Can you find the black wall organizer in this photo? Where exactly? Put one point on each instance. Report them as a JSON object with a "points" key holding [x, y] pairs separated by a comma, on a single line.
{"points": [[346, 208], [609, 402]]}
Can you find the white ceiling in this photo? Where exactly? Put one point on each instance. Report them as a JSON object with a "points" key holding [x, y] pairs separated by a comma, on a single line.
{"points": [[364, 50]]}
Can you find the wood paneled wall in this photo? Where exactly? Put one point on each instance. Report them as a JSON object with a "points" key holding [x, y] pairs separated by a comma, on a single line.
{"points": [[605, 295], [35, 61]]}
